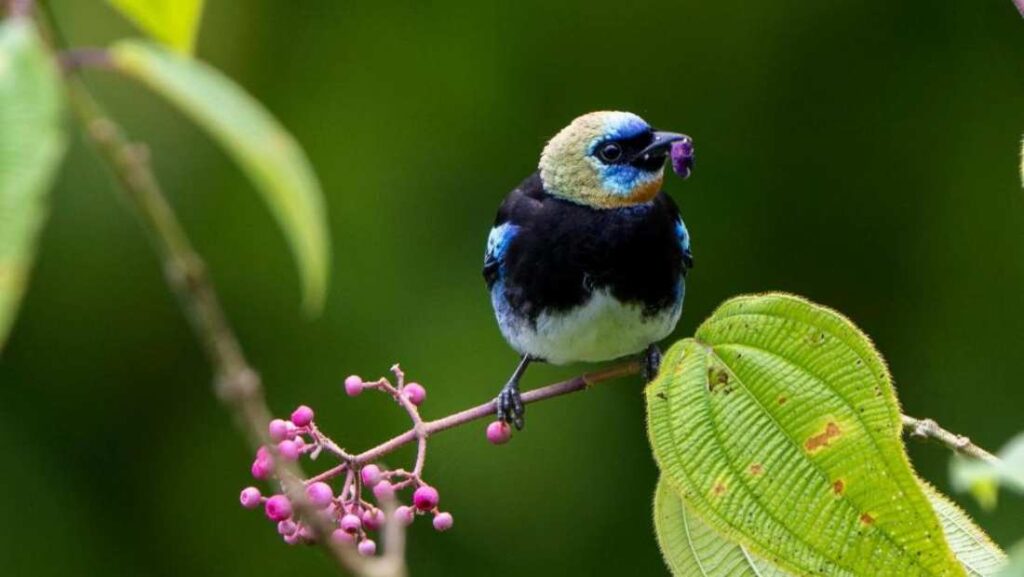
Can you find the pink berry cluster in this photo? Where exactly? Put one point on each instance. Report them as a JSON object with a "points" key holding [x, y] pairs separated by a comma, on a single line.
{"points": [[354, 518]]}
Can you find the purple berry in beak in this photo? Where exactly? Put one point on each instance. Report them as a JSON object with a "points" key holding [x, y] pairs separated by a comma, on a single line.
{"points": [[682, 156]]}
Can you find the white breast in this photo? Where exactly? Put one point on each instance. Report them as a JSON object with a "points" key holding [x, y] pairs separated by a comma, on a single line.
{"points": [[601, 329]]}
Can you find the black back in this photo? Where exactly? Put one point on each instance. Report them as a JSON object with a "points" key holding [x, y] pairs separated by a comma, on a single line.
{"points": [[563, 251]]}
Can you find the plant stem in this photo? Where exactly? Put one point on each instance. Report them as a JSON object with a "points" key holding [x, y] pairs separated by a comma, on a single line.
{"points": [[488, 409], [19, 8], [238, 385], [916, 428], [929, 429]]}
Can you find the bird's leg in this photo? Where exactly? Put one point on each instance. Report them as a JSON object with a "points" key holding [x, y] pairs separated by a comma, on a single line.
{"points": [[650, 361], [509, 402]]}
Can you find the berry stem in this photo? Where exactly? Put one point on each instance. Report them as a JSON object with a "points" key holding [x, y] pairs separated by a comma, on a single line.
{"points": [[426, 429]]}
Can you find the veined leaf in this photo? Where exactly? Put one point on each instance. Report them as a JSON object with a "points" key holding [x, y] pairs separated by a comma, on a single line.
{"points": [[264, 150], [779, 427], [32, 142], [974, 549], [173, 22], [692, 549]]}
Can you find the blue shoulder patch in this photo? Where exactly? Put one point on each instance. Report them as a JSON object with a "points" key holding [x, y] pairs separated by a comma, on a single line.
{"points": [[497, 244], [684, 242]]}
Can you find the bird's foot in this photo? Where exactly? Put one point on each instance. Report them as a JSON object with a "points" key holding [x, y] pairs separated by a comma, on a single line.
{"points": [[510, 405], [650, 363]]}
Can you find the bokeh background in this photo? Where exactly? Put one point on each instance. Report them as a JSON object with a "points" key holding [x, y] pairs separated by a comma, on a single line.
{"points": [[864, 154]]}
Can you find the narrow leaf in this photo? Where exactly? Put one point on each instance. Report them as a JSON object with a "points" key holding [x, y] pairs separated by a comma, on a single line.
{"points": [[779, 427], [264, 150], [32, 142], [173, 22], [692, 549]]}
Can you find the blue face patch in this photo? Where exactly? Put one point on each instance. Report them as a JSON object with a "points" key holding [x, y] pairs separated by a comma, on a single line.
{"points": [[626, 126], [621, 179]]}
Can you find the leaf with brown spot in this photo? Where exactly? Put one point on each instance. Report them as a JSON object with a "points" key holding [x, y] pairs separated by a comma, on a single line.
{"points": [[822, 439], [702, 440], [692, 548]]}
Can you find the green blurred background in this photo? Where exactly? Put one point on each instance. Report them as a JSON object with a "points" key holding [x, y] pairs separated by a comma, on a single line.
{"points": [[864, 154]]}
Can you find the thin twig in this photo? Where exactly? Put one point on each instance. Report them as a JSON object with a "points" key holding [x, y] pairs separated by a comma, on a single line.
{"points": [[476, 413], [19, 8], [78, 58], [238, 385], [929, 429]]}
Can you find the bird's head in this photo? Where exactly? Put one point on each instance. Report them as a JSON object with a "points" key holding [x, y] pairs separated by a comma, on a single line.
{"points": [[606, 160]]}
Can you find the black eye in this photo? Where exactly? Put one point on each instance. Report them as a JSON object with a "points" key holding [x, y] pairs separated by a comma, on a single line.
{"points": [[610, 152]]}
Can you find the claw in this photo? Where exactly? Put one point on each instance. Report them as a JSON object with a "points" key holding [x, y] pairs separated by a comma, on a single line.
{"points": [[651, 363], [509, 404]]}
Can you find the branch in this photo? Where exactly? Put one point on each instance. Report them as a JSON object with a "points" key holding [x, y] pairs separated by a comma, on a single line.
{"points": [[487, 409], [929, 429], [19, 8], [238, 385]]}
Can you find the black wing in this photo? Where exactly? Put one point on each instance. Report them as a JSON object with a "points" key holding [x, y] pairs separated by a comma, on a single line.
{"points": [[514, 211]]}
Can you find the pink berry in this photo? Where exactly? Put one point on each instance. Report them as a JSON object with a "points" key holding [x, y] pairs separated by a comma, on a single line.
{"points": [[302, 416], [293, 538], [278, 430], [288, 449], [353, 385], [261, 468], [405, 515], [320, 494], [278, 508], [498, 432], [370, 474], [262, 453], [383, 490], [250, 497], [373, 520], [342, 536], [443, 521], [415, 393], [425, 498], [286, 527], [351, 523], [367, 548]]}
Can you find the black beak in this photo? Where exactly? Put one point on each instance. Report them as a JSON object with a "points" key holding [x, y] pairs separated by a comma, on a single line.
{"points": [[659, 147]]}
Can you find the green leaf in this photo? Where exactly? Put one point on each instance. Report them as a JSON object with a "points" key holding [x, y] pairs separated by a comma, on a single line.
{"points": [[32, 142], [264, 150], [692, 549], [779, 427], [983, 479], [173, 22], [974, 549]]}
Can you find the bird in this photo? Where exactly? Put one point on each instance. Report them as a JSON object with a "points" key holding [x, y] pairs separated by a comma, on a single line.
{"points": [[587, 258]]}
